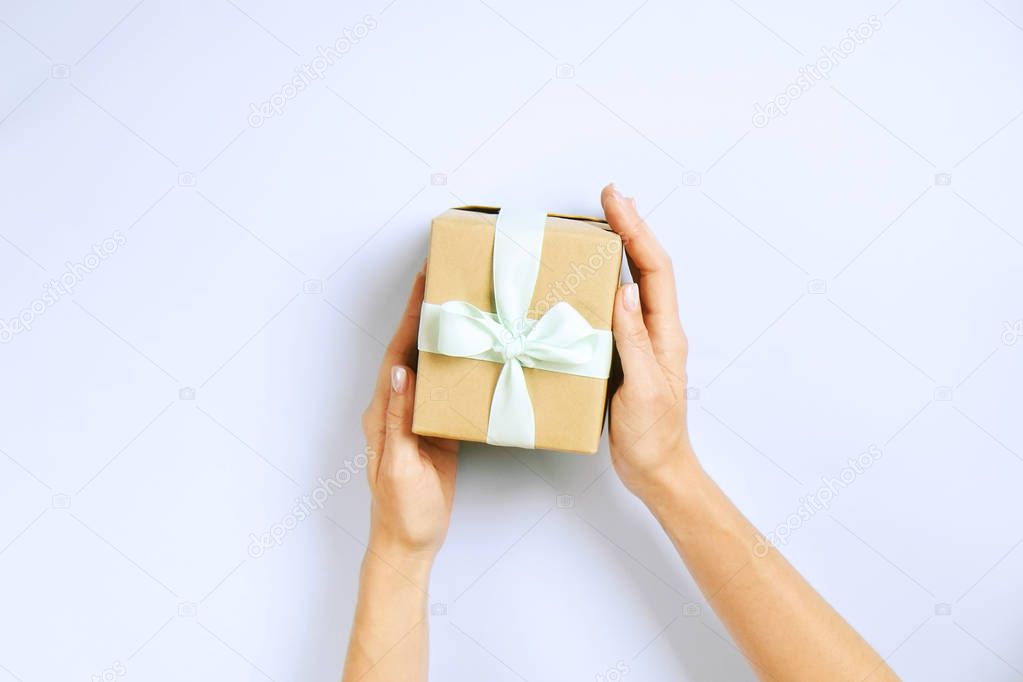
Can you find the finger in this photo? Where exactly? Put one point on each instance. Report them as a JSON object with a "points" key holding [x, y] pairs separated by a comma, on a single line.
{"points": [[654, 274], [650, 263], [639, 364], [400, 443], [401, 350]]}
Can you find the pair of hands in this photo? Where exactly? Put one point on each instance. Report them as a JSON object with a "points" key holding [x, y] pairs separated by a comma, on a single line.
{"points": [[412, 478]]}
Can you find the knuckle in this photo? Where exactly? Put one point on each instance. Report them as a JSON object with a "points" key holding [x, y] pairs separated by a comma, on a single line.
{"points": [[394, 417], [647, 394], [633, 227], [664, 260], [662, 399], [659, 260], [637, 337], [392, 430]]}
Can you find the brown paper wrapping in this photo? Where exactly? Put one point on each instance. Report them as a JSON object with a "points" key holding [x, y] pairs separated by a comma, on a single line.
{"points": [[580, 264]]}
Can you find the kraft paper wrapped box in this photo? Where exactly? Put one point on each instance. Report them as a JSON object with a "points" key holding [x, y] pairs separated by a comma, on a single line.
{"points": [[514, 338]]}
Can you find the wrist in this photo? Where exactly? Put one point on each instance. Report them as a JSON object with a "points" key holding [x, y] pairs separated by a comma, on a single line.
{"points": [[675, 485], [415, 565]]}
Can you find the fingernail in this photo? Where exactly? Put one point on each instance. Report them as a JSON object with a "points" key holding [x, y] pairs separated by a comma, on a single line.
{"points": [[616, 193], [399, 378], [631, 201], [630, 297]]}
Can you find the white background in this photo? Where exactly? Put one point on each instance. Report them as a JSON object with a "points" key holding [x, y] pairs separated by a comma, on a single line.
{"points": [[836, 295]]}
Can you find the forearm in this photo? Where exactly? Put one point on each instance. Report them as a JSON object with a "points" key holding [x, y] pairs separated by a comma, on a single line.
{"points": [[785, 629], [389, 635]]}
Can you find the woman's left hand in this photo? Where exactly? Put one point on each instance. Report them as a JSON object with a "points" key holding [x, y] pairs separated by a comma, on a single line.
{"points": [[412, 478]]}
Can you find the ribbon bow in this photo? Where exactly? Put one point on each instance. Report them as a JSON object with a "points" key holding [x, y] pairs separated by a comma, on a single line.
{"points": [[560, 341]]}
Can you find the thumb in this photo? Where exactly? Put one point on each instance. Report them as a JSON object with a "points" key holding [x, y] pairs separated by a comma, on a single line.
{"points": [[639, 365], [399, 440]]}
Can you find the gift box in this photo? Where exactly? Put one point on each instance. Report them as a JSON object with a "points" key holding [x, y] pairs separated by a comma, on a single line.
{"points": [[515, 334]]}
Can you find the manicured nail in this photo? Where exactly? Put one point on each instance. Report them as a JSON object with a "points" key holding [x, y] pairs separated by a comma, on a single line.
{"points": [[399, 378], [630, 297], [616, 193]]}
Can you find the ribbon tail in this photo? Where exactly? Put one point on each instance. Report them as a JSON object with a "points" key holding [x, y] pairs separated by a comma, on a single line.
{"points": [[511, 410]]}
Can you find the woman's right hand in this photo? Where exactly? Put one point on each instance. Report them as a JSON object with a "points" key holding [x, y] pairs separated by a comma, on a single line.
{"points": [[783, 627], [647, 431]]}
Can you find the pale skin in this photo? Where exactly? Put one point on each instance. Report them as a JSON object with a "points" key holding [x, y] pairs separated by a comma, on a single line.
{"points": [[784, 628]]}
